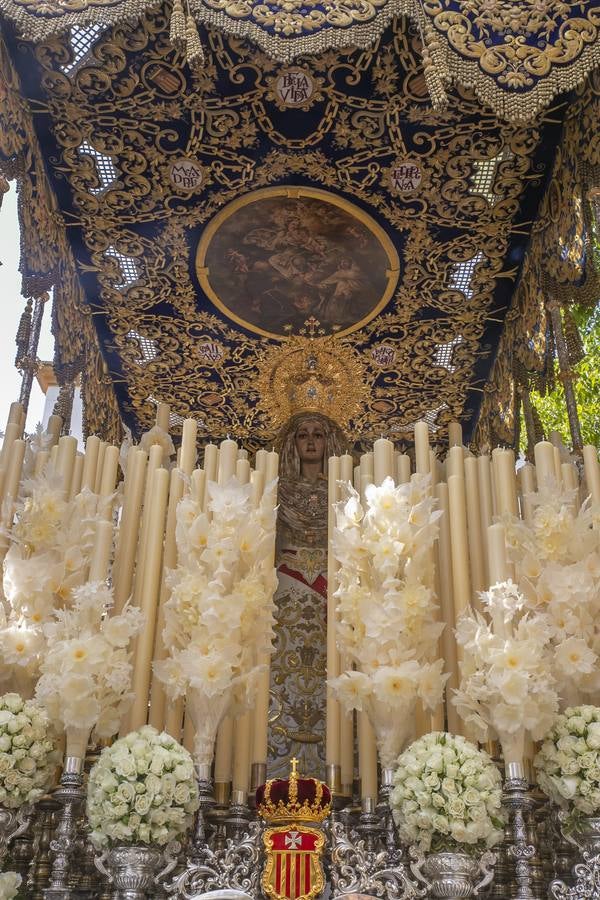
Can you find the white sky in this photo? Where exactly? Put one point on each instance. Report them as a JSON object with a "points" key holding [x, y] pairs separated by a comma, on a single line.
{"points": [[12, 305]]}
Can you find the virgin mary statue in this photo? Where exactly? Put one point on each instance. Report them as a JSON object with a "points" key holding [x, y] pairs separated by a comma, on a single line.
{"points": [[298, 665]]}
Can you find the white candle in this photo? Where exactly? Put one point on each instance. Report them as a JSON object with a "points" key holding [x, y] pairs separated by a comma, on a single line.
{"points": [[455, 461], [109, 471], [77, 475], [242, 471], [403, 468], [367, 759], [478, 568], [332, 742], [157, 694], [188, 446], [15, 413], [163, 416], [498, 570], [592, 471], [227, 460], [67, 448], [90, 463], [422, 448], [101, 553], [53, 428], [503, 466], [211, 461], [455, 434], [526, 476], [383, 456], [129, 526], [224, 752], [260, 463], [241, 754], [544, 462], [99, 467], [461, 581], [272, 466], [149, 598], [448, 640]]}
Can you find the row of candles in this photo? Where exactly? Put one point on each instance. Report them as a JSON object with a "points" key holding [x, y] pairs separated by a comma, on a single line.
{"points": [[469, 556]]}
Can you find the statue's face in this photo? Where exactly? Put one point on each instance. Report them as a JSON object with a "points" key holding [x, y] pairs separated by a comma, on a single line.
{"points": [[310, 441]]}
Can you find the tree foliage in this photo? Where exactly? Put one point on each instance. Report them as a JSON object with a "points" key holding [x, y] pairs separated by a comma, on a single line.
{"points": [[552, 409]]}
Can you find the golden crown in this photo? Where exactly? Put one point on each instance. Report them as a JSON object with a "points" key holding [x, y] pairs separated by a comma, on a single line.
{"points": [[293, 799], [311, 372]]}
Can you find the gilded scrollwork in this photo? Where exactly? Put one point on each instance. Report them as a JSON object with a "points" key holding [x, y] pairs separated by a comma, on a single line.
{"points": [[125, 125]]}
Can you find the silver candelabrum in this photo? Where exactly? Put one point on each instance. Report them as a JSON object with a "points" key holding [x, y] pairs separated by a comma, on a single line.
{"points": [[519, 805], [66, 839]]}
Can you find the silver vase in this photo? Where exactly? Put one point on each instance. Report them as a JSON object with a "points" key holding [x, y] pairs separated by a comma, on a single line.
{"points": [[131, 869], [586, 834], [455, 875], [13, 822]]}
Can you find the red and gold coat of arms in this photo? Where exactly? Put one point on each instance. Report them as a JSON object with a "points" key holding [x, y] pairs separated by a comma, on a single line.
{"points": [[293, 869]]}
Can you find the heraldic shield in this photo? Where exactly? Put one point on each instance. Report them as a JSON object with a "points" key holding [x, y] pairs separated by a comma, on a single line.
{"points": [[293, 869], [293, 850]]}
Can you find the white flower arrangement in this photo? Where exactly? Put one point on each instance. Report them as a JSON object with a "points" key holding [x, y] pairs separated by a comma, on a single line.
{"points": [[506, 687], [28, 752], [387, 607], [219, 617], [447, 792], [86, 671], [556, 557], [141, 790], [51, 545], [568, 763], [9, 885]]}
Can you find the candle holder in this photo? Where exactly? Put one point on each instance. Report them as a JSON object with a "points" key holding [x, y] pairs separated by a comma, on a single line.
{"points": [[519, 805], [236, 823], [206, 803], [70, 795], [41, 863], [369, 824]]}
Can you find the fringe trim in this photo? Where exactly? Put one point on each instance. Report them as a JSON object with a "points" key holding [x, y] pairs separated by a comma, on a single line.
{"points": [[443, 65]]}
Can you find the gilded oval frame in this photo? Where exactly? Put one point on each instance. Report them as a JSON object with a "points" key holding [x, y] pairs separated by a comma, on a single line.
{"points": [[392, 272]]}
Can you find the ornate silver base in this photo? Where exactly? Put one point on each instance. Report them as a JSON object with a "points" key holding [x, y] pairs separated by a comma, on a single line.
{"points": [[519, 805], [70, 795], [357, 870], [13, 823], [131, 868], [454, 875], [585, 836], [236, 867]]}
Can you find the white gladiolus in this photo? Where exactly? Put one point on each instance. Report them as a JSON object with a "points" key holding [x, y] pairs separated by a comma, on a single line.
{"points": [[219, 616], [86, 671], [141, 790], [447, 792], [28, 751], [568, 763], [388, 612]]}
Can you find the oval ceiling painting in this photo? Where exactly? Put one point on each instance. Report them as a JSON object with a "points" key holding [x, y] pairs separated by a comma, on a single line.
{"points": [[277, 257]]}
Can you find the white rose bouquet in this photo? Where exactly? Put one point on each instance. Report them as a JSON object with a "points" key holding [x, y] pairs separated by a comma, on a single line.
{"points": [[28, 752], [568, 763], [388, 610], [141, 790], [447, 792], [9, 885]]}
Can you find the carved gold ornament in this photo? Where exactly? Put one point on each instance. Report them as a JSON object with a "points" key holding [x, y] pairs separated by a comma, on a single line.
{"points": [[311, 373]]}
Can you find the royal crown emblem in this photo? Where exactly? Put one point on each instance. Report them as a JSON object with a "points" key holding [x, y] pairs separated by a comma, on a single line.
{"points": [[293, 868]]}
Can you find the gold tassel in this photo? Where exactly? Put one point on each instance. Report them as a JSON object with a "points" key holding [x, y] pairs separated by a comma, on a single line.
{"points": [[195, 53], [177, 31]]}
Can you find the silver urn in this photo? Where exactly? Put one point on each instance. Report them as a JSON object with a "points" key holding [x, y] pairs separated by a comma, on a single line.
{"points": [[131, 869], [13, 823], [456, 875], [586, 833]]}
